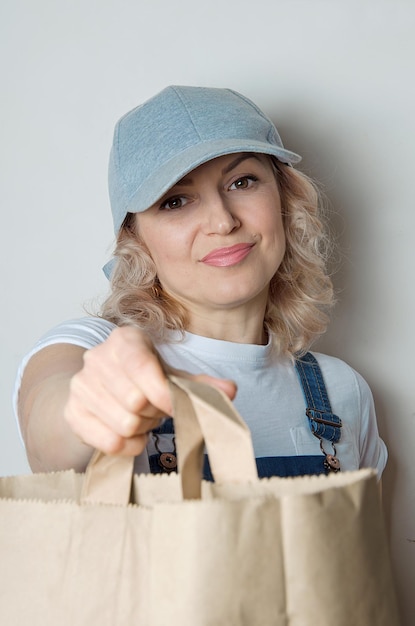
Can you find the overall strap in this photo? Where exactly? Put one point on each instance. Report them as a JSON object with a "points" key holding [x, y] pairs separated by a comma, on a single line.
{"points": [[323, 423]]}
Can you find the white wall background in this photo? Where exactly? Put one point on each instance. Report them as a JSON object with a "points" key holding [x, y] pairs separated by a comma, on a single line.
{"points": [[337, 77]]}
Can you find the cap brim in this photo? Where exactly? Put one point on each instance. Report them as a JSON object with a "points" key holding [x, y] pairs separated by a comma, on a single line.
{"points": [[169, 173]]}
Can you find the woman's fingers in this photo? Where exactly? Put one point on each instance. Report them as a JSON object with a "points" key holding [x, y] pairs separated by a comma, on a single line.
{"points": [[132, 371], [115, 398], [145, 370], [84, 412], [228, 386], [122, 392], [98, 435]]}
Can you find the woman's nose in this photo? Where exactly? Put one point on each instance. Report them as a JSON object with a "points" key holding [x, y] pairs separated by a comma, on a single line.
{"points": [[220, 219]]}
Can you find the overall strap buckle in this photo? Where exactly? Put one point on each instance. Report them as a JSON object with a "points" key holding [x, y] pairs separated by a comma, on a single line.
{"points": [[324, 424]]}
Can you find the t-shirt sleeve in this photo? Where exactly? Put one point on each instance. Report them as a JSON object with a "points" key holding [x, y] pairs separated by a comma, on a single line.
{"points": [[373, 451], [352, 401]]}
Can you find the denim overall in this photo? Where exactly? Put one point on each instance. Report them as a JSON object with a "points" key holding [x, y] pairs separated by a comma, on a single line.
{"points": [[323, 424]]}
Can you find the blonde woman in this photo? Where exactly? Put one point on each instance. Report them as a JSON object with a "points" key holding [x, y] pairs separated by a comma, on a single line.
{"points": [[219, 271]]}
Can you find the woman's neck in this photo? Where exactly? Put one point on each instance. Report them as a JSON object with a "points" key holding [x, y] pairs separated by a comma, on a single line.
{"points": [[235, 326]]}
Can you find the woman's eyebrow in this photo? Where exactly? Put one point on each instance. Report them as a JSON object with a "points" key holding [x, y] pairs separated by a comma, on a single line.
{"points": [[187, 180], [183, 181], [239, 160]]}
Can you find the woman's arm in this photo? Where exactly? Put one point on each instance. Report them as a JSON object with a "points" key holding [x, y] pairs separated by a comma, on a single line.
{"points": [[73, 400], [109, 397], [50, 443]]}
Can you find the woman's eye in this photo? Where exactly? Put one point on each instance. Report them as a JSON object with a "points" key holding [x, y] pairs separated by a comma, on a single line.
{"points": [[176, 202], [244, 182]]}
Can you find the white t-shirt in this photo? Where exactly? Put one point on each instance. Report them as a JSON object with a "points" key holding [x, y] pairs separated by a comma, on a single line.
{"points": [[269, 397]]}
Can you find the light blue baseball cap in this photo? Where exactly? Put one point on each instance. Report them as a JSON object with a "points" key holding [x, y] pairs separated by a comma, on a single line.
{"points": [[159, 142]]}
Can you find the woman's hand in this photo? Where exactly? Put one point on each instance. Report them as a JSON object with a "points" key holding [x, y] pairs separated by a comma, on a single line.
{"points": [[73, 400], [121, 393]]}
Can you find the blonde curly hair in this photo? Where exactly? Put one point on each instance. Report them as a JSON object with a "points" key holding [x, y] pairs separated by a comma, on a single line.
{"points": [[300, 295]]}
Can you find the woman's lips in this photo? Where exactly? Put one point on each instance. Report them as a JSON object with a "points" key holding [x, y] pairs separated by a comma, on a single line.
{"points": [[231, 255]]}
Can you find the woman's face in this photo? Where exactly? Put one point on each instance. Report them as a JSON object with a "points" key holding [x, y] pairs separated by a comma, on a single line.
{"points": [[217, 238]]}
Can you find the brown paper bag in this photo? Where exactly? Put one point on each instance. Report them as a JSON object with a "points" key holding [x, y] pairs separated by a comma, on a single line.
{"points": [[109, 549]]}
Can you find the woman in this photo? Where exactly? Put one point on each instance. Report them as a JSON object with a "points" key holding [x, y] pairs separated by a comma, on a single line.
{"points": [[219, 272]]}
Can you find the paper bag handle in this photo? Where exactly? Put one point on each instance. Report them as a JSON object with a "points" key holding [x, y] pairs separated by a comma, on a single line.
{"points": [[108, 479], [203, 415]]}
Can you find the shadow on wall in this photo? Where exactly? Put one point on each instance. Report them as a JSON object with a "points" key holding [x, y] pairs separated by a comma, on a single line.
{"points": [[343, 180], [325, 161]]}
